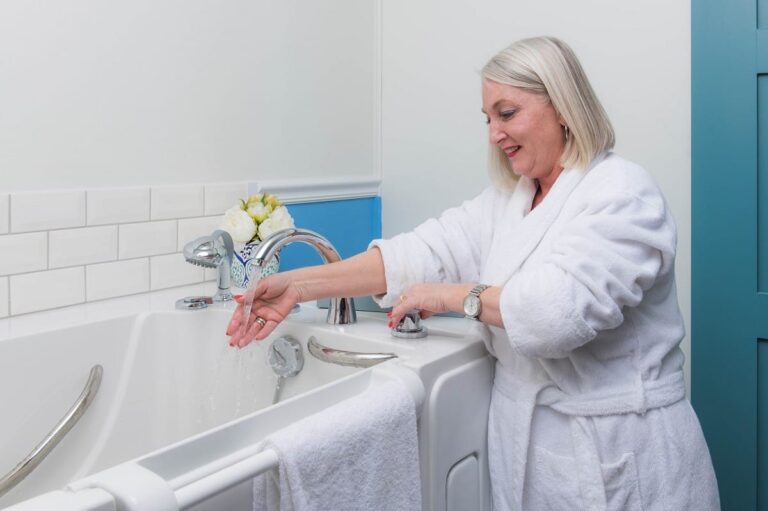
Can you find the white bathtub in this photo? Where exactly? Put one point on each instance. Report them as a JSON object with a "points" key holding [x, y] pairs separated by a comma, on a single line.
{"points": [[175, 399]]}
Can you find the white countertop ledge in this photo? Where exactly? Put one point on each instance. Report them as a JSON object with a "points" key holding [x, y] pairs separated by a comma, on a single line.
{"points": [[370, 323], [90, 312]]}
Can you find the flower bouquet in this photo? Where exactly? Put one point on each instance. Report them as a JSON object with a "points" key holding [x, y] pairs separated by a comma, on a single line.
{"points": [[248, 222]]}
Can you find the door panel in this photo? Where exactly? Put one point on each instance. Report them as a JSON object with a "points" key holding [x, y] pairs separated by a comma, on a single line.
{"points": [[730, 243]]}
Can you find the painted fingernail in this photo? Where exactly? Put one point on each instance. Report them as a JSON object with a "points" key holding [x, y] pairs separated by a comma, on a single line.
{"points": [[238, 298], [389, 314]]}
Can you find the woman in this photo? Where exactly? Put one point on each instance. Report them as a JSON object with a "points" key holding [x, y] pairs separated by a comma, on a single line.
{"points": [[569, 261]]}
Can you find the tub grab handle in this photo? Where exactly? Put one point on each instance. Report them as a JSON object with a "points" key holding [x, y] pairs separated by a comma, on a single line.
{"points": [[56, 434], [346, 358]]}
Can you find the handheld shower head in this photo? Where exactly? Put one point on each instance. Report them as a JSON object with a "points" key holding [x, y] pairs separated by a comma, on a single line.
{"points": [[203, 252], [213, 251]]}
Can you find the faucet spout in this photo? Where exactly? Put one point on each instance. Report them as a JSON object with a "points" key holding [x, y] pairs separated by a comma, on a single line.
{"points": [[341, 311]]}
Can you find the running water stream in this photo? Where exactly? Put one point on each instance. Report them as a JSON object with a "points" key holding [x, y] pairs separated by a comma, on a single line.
{"points": [[248, 302]]}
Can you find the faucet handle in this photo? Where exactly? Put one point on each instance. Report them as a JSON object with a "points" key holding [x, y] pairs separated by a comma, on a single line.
{"points": [[410, 326]]}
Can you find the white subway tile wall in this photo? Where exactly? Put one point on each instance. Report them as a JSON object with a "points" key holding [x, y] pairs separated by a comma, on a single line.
{"points": [[4, 297], [32, 292], [192, 228], [43, 211], [74, 247], [60, 248], [221, 197], [177, 201], [5, 213], [120, 278], [118, 205], [22, 253], [171, 271], [148, 239]]}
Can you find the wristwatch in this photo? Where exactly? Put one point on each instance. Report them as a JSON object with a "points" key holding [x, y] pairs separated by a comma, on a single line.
{"points": [[472, 305]]}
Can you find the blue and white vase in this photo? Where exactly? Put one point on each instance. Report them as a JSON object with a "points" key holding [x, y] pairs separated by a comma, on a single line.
{"points": [[243, 268]]}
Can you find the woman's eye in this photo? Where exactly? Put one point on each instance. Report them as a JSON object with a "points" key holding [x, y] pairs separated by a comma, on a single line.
{"points": [[507, 114], [487, 120]]}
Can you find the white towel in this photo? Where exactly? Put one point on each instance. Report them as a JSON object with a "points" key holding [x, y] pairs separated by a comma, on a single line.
{"points": [[359, 454]]}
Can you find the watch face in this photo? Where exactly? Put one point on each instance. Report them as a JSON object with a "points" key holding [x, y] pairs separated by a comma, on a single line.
{"points": [[471, 305]]}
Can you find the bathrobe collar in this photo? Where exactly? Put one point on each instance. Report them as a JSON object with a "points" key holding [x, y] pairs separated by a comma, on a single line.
{"points": [[523, 228]]}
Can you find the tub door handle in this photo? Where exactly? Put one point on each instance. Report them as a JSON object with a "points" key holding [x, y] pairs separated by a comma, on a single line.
{"points": [[55, 436], [346, 358]]}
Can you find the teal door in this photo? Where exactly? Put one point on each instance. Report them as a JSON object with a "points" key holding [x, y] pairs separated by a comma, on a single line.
{"points": [[730, 243]]}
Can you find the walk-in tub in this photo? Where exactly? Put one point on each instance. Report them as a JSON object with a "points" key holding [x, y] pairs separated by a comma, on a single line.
{"points": [[178, 403]]}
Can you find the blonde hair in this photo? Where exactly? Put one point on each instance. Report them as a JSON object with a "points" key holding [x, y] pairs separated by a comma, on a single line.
{"points": [[548, 66]]}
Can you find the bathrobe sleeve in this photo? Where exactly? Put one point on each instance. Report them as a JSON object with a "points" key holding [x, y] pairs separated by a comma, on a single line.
{"points": [[601, 260], [446, 249]]}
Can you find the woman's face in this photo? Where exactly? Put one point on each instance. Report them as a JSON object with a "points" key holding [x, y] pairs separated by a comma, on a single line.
{"points": [[526, 127]]}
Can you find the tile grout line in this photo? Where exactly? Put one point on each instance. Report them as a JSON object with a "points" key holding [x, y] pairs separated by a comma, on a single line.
{"points": [[149, 270], [8, 295], [85, 283], [85, 266]]}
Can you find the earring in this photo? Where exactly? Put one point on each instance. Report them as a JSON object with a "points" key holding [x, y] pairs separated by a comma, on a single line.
{"points": [[567, 132]]}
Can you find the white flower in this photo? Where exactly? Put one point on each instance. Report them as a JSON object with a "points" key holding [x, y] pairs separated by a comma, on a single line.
{"points": [[254, 198], [259, 211], [279, 219], [239, 224], [272, 200]]}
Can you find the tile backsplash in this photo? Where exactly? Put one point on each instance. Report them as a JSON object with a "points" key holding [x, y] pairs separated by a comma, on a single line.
{"points": [[5, 211], [3, 296], [61, 248]]}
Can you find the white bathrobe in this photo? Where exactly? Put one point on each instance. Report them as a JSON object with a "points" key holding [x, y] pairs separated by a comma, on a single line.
{"points": [[588, 409]]}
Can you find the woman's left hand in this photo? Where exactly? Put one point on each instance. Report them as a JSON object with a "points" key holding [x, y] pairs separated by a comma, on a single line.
{"points": [[429, 299]]}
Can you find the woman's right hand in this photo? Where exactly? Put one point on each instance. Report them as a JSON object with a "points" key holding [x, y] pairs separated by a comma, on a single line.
{"points": [[273, 299]]}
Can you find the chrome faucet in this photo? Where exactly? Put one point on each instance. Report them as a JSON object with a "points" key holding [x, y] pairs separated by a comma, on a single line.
{"points": [[214, 251], [341, 311]]}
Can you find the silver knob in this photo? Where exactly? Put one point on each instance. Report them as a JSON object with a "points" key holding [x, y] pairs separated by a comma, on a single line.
{"points": [[194, 302], [410, 326], [286, 356]]}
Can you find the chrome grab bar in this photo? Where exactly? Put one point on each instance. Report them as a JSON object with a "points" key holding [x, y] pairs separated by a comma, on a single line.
{"points": [[55, 436], [346, 358]]}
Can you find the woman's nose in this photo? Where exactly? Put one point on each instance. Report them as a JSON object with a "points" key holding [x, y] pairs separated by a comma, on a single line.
{"points": [[496, 135]]}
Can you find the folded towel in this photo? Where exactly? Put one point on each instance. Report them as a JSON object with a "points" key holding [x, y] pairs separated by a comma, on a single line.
{"points": [[359, 454]]}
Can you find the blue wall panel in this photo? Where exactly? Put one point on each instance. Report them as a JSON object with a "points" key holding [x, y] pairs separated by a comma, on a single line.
{"points": [[762, 183], [349, 224]]}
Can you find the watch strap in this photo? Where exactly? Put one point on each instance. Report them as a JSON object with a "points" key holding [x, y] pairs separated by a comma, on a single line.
{"points": [[478, 289]]}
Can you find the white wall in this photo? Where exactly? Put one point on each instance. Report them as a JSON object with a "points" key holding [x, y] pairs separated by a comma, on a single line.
{"points": [[142, 92], [637, 55], [147, 92]]}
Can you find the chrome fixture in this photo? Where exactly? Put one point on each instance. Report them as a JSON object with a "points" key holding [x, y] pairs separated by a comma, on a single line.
{"points": [[287, 360], [345, 358], [214, 251], [410, 326], [194, 302], [55, 436], [341, 311]]}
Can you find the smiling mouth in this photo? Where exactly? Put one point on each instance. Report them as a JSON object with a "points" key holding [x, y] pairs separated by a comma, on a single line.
{"points": [[512, 150]]}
